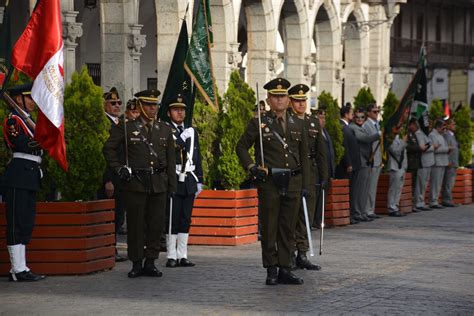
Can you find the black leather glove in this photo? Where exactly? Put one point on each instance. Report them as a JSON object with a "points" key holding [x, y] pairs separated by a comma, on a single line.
{"points": [[171, 195], [125, 173], [305, 193], [258, 173]]}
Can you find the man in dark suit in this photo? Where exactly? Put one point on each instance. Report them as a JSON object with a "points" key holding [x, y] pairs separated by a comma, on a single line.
{"points": [[189, 178], [148, 177], [344, 168], [321, 115], [110, 181], [21, 181]]}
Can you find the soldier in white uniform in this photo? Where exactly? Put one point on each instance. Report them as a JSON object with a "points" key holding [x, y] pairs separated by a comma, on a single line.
{"points": [[441, 161]]}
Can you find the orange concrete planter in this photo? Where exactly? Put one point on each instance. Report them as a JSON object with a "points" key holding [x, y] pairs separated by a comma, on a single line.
{"points": [[226, 218], [462, 191], [406, 200], [69, 238], [337, 211]]}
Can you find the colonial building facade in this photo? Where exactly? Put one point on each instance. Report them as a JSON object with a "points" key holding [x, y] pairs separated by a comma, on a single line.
{"points": [[333, 45]]}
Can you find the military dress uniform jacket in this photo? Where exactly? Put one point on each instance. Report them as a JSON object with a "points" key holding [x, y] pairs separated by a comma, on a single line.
{"points": [[454, 152], [152, 174], [317, 153], [275, 155], [193, 167], [441, 153], [22, 173], [365, 141], [413, 152], [397, 155]]}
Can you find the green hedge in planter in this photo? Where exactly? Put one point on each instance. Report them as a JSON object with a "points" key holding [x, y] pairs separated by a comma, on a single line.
{"points": [[463, 133], [363, 98], [239, 101], [205, 123], [389, 106], [329, 104], [86, 130]]}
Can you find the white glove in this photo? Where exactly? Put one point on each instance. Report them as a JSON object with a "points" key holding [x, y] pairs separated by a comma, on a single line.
{"points": [[188, 132], [199, 188]]}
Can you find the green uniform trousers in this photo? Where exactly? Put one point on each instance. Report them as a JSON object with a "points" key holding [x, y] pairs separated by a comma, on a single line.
{"points": [[301, 234], [279, 215], [145, 220]]}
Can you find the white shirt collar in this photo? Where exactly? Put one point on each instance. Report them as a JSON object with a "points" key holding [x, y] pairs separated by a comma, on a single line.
{"points": [[345, 121], [113, 118]]}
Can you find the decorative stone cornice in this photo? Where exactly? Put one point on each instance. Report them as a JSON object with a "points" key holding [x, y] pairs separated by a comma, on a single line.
{"points": [[136, 41], [71, 31], [275, 63]]}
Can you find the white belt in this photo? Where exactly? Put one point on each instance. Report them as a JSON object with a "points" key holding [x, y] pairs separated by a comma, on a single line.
{"points": [[187, 169], [27, 157]]}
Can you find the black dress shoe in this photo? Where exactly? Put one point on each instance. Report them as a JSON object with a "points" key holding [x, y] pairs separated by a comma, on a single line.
{"points": [[415, 210], [373, 216], [272, 276], [449, 204], [171, 263], [437, 206], [303, 262], [285, 276], [396, 214], [25, 276], [149, 269], [424, 208], [137, 270], [365, 218], [185, 263]]}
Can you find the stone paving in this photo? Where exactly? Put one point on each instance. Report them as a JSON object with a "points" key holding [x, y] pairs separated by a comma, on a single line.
{"points": [[419, 264]]}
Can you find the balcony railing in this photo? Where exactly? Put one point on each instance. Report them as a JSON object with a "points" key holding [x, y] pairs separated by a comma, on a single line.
{"points": [[406, 52]]}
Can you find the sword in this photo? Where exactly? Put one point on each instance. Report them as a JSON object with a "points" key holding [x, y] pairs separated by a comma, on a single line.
{"points": [[260, 136], [308, 227], [321, 234]]}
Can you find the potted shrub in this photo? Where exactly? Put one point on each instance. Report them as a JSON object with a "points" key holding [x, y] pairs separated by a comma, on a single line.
{"points": [[337, 210], [363, 98], [227, 216], [77, 236]]}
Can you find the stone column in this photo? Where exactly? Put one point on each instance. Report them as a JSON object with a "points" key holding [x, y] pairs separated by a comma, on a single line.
{"points": [[225, 61], [71, 31], [379, 78], [121, 46]]}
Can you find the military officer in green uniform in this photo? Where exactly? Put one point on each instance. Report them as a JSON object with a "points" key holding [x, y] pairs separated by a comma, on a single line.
{"points": [[318, 171], [148, 179], [281, 178]]}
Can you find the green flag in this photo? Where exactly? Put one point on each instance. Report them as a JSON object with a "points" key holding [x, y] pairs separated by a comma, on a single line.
{"points": [[178, 79], [5, 48], [413, 102], [198, 60]]}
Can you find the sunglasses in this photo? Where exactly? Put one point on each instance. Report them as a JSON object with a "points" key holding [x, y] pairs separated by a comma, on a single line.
{"points": [[116, 103], [360, 117], [375, 111]]}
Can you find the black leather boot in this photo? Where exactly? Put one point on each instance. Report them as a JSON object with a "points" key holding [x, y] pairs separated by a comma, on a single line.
{"points": [[149, 268], [137, 270], [25, 276], [285, 276], [272, 276], [303, 262]]}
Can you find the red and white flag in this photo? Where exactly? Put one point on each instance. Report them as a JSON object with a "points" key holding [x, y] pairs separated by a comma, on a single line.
{"points": [[39, 54]]}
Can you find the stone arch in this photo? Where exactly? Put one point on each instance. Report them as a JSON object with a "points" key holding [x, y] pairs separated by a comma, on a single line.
{"points": [[328, 58], [260, 35], [355, 53], [293, 28]]}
